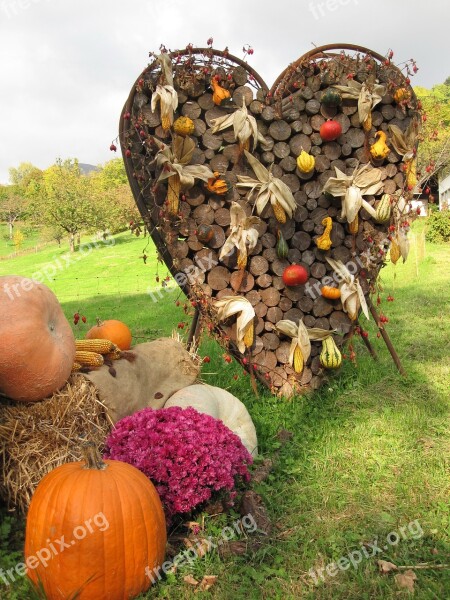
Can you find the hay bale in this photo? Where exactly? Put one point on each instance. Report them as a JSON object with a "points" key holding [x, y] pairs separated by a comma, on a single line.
{"points": [[37, 437]]}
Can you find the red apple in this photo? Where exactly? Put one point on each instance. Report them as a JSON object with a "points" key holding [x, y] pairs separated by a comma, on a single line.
{"points": [[295, 275]]}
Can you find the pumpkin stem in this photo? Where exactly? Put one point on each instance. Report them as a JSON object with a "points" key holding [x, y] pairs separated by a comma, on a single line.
{"points": [[92, 457]]}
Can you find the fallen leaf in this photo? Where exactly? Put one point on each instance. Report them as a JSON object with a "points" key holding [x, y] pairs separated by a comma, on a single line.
{"points": [[207, 582], [190, 580], [406, 580], [386, 567]]}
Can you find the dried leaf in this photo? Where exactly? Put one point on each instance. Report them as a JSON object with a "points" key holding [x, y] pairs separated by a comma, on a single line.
{"points": [[207, 582], [230, 305], [190, 580], [406, 580], [385, 566]]}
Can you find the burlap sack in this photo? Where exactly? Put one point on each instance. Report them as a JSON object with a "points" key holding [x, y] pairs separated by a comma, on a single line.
{"points": [[160, 368]]}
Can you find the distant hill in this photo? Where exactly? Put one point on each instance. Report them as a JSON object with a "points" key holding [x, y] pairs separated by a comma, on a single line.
{"points": [[86, 169]]}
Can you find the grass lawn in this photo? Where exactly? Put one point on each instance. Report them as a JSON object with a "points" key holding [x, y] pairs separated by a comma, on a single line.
{"points": [[370, 453]]}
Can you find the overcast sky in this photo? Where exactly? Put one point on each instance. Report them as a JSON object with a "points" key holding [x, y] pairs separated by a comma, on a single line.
{"points": [[66, 68]]}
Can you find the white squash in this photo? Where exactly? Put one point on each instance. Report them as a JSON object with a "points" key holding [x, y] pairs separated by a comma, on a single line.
{"points": [[220, 404]]}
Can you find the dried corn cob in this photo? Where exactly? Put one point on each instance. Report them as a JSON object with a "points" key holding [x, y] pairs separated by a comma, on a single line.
{"points": [[394, 251], [353, 226], [279, 212], [242, 260], [95, 345], [367, 124], [92, 359], [298, 360], [173, 194], [249, 335], [76, 367]]}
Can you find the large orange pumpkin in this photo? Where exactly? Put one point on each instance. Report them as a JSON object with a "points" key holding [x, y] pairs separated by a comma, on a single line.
{"points": [[113, 330], [93, 528], [37, 345]]}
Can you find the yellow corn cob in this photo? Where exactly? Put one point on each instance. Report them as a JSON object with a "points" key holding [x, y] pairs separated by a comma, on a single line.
{"points": [[166, 121], [95, 345], [173, 194], [395, 251], [249, 336], [76, 367], [298, 360], [367, 124], [279, 212], [353, 226], [85, 357], [242, 260], [411, 173], [115, 354]]}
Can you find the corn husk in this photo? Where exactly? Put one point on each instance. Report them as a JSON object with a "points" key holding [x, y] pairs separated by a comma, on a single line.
{"points": [[243, 235], [364, 180], [403, 244], [231, 305], [175, 161], [244, 125], [266, 188], [368, 96], [301, 337], [352, 296], [167, 97], [404, 143]]}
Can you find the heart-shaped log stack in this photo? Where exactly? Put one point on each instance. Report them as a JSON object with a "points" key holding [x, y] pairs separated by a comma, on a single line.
{"points": [[290, 117]]}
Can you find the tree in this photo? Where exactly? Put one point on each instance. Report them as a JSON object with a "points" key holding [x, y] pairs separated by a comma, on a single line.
{"points": [[13, 206], [113, 194], [434, 147], [63, 200], [23, 174]]}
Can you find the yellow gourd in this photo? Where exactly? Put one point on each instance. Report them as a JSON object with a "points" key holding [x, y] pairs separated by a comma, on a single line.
{"points": [[324, 242], [411, 173], [379, 149], [305, 162], [330, 357], [184, 126]]}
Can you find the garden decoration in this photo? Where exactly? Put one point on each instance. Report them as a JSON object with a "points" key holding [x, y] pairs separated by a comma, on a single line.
{"points": [[280, 193]]}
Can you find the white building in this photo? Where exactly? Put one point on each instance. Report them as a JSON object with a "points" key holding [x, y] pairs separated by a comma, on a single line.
{"points": [[444, 188]]}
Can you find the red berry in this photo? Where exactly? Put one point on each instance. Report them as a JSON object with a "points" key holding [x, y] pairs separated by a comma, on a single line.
{"points": [[83, 318], [227, 358], [128, 153], [113, 148], [206, 359], [235, 377], [365, 334], [126, 115]]}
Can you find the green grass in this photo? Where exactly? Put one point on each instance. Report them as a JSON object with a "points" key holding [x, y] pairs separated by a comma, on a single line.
{"points": [[370, 450]]}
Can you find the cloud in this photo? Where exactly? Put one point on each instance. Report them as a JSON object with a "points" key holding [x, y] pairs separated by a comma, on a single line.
{"points": [[67, 68]]}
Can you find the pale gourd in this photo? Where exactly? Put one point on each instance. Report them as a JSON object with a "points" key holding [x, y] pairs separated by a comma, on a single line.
{"points": [[220, 404]]}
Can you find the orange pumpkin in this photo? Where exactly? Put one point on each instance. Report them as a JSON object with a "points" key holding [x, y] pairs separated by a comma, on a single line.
{"points": [[330, 292], [37, 345], [93, 528], [113, 330]]}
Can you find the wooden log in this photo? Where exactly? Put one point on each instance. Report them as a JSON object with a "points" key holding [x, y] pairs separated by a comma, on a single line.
{"points": [[305, 303], [243, 93], [301, 240], [316, 123], [278, 266], [292, 181], [280, 130], [312, 107], [264, 281], [258, 346], [270, 254], [282, 352], [270, 297], [191, 109], [267, 158], [150, 118], [340, 322], [212, 141], [288, 164], [281, 150], [318, 270], [285, 303], [308, 257], [266, 360], [218, 278], [355, 137], [313, 189], [293, 314], [204, 214], [218, 238], [259, 265], [222, 217], [261, 309], [298, 143], [195, 196], [206, 259], [256, 107], [268, 114], [219, 163], [240, 75], [242, 281], [214, 113], [271, 341]]}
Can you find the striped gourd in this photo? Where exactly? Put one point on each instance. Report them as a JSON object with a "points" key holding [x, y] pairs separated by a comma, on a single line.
{"points": [[383, 211], [95, 345], [330, 357], [87, 358]]}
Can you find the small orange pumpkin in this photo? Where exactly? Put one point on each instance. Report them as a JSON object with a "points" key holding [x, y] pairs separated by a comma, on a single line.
{"points": [[37, 345], [113, 330], [330, 292], [95, 529]]}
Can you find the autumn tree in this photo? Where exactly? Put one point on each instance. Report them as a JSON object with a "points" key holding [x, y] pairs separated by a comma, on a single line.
{"points": [[13, 205], [63, 200], [434, 147]]}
